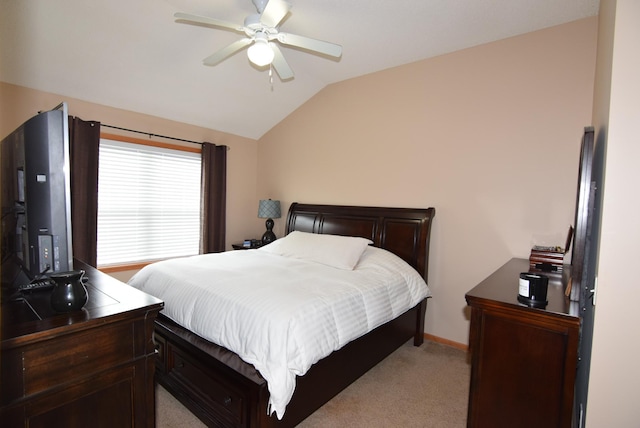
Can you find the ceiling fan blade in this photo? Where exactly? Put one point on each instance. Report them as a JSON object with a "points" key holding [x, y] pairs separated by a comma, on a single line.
{"points": [[226, 52], [315, 45], [280, 64], [274, 12], [187, 18]]}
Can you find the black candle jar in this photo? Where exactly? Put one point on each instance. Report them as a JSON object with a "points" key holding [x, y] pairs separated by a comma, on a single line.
{"points": [[532, 290]]}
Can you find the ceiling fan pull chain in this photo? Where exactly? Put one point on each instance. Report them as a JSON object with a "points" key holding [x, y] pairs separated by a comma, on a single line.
{"points": [[271, 76]]}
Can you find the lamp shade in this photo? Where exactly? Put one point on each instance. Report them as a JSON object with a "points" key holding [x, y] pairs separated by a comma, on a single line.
{"points": [[269, 209]]}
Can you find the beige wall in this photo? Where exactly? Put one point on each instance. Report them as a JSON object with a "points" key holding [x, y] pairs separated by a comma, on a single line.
{"points": [[615, 376], [489, 136], [17, 104]]}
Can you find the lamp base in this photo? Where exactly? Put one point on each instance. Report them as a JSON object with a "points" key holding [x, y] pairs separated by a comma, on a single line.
{"points": [[268, 237]]}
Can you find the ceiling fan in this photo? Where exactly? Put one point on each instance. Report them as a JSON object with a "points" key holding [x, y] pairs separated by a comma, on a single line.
{"points": [[261, 32]]}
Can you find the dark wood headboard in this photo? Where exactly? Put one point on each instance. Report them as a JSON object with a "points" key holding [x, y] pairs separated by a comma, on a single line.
{"points": [[403, 231]]}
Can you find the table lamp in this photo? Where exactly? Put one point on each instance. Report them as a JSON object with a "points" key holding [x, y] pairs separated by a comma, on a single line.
{"points": [[268, 209]]}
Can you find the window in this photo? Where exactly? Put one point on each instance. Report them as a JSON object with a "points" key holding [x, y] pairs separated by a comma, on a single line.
{"points": [[148, 202]]}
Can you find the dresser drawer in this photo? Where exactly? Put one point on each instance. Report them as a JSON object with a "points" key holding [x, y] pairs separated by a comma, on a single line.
{"points": [[227, 401], [67, 358]]}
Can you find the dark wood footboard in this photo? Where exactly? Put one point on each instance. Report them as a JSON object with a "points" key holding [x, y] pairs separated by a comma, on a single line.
{"points": [[224, 391]]}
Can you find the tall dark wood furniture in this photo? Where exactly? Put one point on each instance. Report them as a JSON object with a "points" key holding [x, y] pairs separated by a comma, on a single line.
{"points": [[523, 360], [88, 368]]}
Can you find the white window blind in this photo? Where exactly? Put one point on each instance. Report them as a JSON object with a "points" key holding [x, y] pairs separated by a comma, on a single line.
{"points": [[148, 203]]}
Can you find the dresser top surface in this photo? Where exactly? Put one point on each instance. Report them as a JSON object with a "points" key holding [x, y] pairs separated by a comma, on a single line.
{"points": [[30, 317], [501, 289]]}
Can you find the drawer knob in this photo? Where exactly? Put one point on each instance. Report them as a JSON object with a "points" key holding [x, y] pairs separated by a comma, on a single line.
{"points": [[180, 364], [227, 401]]}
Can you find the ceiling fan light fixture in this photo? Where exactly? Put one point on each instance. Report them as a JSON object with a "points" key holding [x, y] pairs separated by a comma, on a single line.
{"points": [[260, 53], [263, 38]]}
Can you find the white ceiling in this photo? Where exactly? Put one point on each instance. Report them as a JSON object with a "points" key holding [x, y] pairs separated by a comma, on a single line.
{"points": [[130, 54]]}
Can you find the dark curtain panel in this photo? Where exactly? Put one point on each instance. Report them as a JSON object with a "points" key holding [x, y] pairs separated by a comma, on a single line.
{"points": [[84, 146], [214, 198]]}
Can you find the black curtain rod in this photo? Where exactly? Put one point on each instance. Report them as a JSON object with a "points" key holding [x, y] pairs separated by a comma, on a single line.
{"points": [[151, 135]]}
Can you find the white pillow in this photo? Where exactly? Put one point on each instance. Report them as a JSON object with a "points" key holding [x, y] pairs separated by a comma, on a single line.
{"points": [[342, 252]]}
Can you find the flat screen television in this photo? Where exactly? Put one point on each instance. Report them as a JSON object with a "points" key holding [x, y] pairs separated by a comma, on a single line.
{"points": [[36, 199]]}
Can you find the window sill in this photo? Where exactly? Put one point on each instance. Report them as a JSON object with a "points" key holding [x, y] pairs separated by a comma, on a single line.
{"points": [[124, 267]]}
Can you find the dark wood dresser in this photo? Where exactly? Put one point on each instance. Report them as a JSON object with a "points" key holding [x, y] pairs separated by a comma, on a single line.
{"points": [[523, 359], [89, 368]]}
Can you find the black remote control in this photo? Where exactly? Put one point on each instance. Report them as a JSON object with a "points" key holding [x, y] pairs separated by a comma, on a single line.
{"points": [[37, 285]]}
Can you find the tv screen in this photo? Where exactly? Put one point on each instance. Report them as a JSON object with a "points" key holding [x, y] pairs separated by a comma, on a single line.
{"points": [[36, 199]]}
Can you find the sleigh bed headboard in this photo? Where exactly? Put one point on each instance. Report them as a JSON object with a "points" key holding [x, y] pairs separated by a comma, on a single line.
{"points": [[402, 231]]}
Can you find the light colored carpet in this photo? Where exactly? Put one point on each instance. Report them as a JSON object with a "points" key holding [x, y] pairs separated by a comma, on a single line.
{"points": [[170, 413], [413, 387]]}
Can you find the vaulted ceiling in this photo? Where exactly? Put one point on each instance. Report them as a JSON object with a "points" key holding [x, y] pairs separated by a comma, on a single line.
{"points": [[131, 54]]}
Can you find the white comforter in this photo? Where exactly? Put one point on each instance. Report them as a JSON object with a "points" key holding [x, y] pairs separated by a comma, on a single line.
{"points": [[278, 313]]}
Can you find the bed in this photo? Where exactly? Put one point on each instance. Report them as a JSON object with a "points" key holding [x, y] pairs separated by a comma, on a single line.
{"points": [[219, 387]]}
